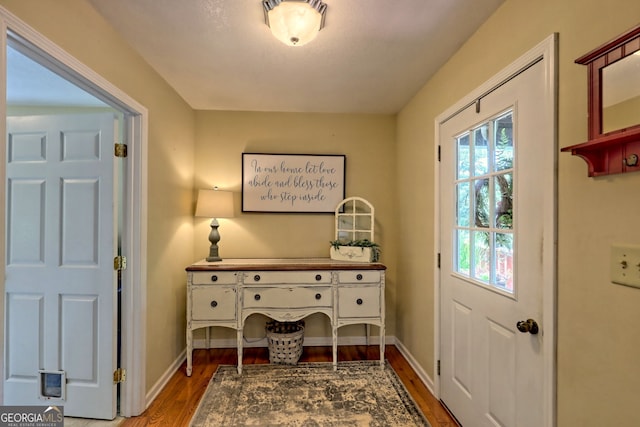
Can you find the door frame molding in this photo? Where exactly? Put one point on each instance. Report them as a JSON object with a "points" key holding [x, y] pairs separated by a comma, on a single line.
{"points": [[545, 51], [134, 278]]}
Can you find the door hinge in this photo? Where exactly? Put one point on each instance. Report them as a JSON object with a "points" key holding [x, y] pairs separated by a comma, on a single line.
{"points": [[120, 263], [119, 376], [438, 368], [120, 150], [438, 259], [439, 155]]}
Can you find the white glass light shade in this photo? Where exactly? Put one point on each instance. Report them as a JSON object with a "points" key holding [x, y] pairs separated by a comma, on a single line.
{"points": [[214, 204], [295, 22]]}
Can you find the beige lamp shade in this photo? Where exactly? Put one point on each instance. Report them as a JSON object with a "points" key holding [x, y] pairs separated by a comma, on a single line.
{"points": [[214, 204]]}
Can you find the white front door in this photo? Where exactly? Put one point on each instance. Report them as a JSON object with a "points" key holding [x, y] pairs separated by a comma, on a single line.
{"points": [[60, 340], [497, 211]]}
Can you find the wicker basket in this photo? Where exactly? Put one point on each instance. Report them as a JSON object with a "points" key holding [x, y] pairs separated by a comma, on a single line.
{"points": [[285, 341]]}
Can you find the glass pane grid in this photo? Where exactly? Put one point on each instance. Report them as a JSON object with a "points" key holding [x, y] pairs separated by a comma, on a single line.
{"points": [[483, 231], [354, 221]]}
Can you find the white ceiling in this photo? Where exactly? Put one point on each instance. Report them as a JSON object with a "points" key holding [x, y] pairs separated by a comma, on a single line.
{"points": [[372, 56]]}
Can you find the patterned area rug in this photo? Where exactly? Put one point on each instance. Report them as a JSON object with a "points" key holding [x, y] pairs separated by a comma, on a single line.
{"points": [[308, 395]]}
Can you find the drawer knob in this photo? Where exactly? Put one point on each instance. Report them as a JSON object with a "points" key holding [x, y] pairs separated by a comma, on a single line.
{"points": [[359, 277], [359, 301], [256, 297], [318, 296], [214, 304], [256, 278], [214, 278]]}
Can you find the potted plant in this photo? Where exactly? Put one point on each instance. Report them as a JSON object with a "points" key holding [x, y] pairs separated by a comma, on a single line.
{"points": [[355, 250]]}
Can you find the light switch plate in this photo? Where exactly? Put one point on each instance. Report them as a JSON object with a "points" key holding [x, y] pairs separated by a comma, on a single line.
{"points": [[625, 265]]}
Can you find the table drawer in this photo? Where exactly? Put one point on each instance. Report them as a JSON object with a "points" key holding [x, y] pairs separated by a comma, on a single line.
{"points": [[287, 297], [214, 278], [287, 277], [356, 276], [213, 303], [359, 302]]}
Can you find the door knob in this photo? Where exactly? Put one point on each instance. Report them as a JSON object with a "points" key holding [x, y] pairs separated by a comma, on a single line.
{"points": [[528, 325]]}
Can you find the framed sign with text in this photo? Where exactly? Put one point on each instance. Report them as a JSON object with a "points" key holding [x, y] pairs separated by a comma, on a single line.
{"points": [[308, 183]]}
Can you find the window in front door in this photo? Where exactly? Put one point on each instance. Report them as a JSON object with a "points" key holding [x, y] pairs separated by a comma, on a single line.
{"points": [[484, 238]]}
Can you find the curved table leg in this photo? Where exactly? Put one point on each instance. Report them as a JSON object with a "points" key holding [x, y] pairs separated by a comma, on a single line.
{"points": [[189, 351], [382, 344], [240, 351], [334, 342]]}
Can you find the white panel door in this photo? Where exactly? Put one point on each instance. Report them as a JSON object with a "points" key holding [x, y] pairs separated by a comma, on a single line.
{"points": [[60, 282], [496, 194]]}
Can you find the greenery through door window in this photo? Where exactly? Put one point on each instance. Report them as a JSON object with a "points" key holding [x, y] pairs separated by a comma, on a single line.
{"points": [[484, 238]]}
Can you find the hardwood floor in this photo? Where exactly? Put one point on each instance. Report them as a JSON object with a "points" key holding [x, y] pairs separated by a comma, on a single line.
{"points": [[178, 401]]}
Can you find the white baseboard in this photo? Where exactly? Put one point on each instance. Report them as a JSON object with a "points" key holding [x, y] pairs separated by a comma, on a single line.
{"points": [[308, 342], [164, 379], [426, 380]]}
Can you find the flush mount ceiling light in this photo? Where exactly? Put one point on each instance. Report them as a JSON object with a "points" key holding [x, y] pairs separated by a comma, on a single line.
{"points": [[294, 22]]}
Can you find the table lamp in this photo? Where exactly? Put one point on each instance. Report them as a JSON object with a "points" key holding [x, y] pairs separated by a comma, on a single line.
{"points": [[214, 204]]}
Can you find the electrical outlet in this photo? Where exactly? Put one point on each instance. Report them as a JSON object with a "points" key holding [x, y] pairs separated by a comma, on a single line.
{"points": [[625, 265]]}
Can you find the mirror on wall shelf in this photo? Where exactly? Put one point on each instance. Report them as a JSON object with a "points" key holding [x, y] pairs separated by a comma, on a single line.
{"points": [[613, 87], [621, 93]]}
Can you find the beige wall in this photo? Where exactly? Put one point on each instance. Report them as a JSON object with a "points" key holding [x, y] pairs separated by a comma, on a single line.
{"points": [[368, 141], [598, 347], [77, 28]]}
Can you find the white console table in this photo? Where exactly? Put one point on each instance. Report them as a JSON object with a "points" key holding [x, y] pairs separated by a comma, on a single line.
{"points": [[226, 293]]}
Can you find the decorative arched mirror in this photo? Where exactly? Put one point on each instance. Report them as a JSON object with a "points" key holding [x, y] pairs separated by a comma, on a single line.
{"points": [[355, 230], [614, 106]]}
